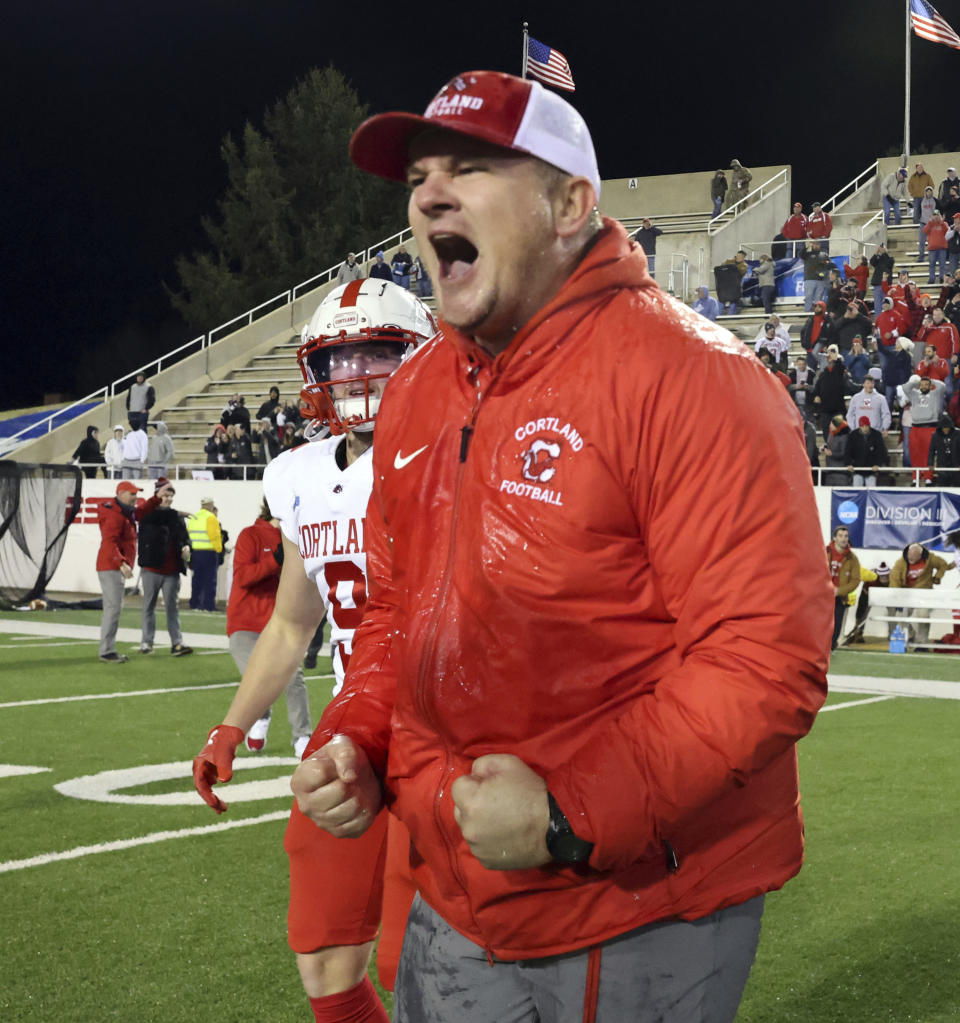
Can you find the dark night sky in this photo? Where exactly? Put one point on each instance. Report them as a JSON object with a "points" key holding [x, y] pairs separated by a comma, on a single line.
{"points": [[113, 115]]}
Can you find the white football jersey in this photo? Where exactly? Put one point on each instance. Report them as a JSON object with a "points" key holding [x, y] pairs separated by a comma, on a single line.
{"points": [[321, 509]]}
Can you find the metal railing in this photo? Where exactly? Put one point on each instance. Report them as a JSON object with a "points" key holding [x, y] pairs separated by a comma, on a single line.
{"points": [[916, 474], [178, 470], [852, 186], [761, 192], [678, 278]]}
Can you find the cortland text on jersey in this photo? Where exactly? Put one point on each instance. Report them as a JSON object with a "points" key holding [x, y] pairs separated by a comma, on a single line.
{"points": [[331, 539]]}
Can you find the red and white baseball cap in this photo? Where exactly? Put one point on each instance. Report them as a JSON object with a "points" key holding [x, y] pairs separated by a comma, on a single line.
{"points": [[126, 487], [515, 113]]}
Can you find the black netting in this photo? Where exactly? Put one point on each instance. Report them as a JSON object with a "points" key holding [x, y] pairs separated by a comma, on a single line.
{"points": [[37, 505]]}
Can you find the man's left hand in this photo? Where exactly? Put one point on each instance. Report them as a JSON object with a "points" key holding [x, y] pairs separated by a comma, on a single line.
{"points": [[502, 810]]}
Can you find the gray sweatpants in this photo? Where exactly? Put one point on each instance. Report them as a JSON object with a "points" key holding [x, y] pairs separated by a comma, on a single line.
{"points": [[298, 705], [152, 583], [672, 971], [111, 586]]}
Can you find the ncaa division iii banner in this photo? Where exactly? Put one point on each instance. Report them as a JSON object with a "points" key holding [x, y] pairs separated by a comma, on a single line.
{"points": [[894, 518]]}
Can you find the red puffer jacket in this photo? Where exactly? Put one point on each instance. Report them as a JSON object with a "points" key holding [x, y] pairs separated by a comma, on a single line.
{"points": [[585, 554], [256, 576], [118, 532]]}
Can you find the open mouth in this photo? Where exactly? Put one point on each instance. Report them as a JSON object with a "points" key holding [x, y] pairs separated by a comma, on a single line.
{"points": [[455, 254]]}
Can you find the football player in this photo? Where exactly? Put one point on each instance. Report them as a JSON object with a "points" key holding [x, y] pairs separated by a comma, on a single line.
{"points": [[357, 337]]}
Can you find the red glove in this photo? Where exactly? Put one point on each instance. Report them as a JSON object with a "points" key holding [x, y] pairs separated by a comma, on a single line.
{"points": [[215, 763]]}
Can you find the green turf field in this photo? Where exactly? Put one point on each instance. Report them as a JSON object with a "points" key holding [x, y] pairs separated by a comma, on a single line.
{"points": [[181, 916]]}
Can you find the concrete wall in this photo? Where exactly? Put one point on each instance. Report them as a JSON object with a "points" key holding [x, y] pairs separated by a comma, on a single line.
{"points": [[668, 193], [753, 230]]}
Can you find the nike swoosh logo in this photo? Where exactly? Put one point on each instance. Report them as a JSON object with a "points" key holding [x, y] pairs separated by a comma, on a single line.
{"points": [[400, 461]]}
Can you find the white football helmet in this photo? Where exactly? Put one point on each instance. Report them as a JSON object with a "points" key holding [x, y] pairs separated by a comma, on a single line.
{"points": [[358, 336]]}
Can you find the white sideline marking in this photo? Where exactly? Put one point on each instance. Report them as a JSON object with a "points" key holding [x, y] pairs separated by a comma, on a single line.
{"points": [[62, 630], [855, 703], [929, 687], [131, 843], [13, 770], [116, 696], [66, 642]]}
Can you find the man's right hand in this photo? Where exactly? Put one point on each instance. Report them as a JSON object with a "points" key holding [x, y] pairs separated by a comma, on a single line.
{"points": [[337, 789], [215, 763]]}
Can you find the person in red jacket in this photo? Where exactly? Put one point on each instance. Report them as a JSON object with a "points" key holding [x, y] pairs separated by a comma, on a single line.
{"points": [[820, 226], [257, 560], [609, 803], [931, 365], [116, 557], [939, 332], [795, 228], [860, 274], [936, 232]]}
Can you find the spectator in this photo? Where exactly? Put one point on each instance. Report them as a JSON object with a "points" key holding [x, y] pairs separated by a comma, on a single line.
{"points": [[266, 442], [801, 390], [852, 324], [951, 207], [936, 232], [820, 226], [764, 272], [705, 305], [290, 438], [871, 403], [244, 452], [940, 333], [134, 453], [718, 189], [859, 274], [646, 237], [206, 543], [932, 365], [400, 264], [777, 344], [794, 230], [832, 385], [839, 293], [944, 454], [424, 284], [235, 412], [290, 415], [893, 191], [927, 398], [739, 261], [949, 183], [769, 361], [115, 559], [817, 333], [349, 270], [257, 560], [888, 328], [271, 406], [928, 206], [919, 181], [882, 263], [835, 453], [215, 449], [88, 453], [857, 360], [953, 249], [140, 399], [378, 271], [113, 453], [897, 368], [160, 450], [740, 185], [918, 569], [845, 576], [866, 449], [816, 266], [163, 557]]}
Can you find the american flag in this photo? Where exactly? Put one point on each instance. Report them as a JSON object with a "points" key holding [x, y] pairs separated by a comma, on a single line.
{"points": [[548, 66], [929, 24]]}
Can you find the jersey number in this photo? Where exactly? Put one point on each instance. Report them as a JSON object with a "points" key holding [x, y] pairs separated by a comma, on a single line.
{"points": [[346, 612]]}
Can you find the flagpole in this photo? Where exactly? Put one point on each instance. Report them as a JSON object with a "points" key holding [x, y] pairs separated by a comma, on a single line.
{"points": [[906, 91], [523, 65]]}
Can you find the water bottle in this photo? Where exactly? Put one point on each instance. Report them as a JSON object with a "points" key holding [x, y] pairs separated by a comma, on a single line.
{"points": [[898, 640]]}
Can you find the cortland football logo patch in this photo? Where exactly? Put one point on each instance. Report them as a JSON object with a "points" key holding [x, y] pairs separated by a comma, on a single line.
{"points": [[547, 445]]}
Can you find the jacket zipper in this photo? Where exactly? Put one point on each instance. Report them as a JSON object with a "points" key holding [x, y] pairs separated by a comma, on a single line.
{"points": [[466, 433]]}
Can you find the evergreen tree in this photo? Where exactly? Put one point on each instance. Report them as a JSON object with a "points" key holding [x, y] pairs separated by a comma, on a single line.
{"points": [[294, 204]]}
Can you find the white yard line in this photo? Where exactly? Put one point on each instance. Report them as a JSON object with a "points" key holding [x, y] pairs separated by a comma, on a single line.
{"points": [[116, 696], [929, 687], [48, 644], [855, 703], [130, 843], [62, 630]]}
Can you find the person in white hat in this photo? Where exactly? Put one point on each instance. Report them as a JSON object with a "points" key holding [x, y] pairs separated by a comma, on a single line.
{"points": [[585, 715]]}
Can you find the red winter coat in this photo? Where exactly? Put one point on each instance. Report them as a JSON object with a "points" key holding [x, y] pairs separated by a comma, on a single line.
{"points": [[888, 322], [794, 227], [581, 590], [819, 225], [118, 533], [944, 338], [860, 274], [936, 232], [256, 576], [938, 369]]}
